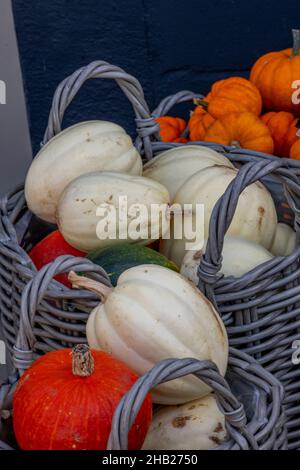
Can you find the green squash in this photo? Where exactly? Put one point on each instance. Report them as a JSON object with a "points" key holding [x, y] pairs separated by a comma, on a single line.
{"points": [[117, 259]]}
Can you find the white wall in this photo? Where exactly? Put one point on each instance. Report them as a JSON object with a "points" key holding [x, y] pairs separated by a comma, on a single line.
{"points": [[15, 148]]}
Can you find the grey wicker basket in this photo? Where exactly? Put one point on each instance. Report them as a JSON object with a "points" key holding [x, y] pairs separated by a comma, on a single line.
{"points": [[260, 309], [255, 420]]}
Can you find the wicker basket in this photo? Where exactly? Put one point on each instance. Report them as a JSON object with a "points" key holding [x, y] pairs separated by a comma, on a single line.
{"points": [[260, 310], [255, 421]]}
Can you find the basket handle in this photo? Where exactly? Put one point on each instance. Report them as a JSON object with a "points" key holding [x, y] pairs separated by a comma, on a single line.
{"points": [[66, 91], [170, 369], [224, 210], [42, 286], [172, 100]]}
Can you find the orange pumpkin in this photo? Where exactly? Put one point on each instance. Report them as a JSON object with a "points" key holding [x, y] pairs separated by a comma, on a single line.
{"points": [[282, 127], [66, 401], [233, 95], [171, 128], [199, 122], [274, 74], [241, 130], [295, 150]]}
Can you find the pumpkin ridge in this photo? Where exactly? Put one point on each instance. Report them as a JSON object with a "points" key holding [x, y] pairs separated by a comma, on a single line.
{"points": [[172, 333], [146, 360], [116, 332], [179, 299]]}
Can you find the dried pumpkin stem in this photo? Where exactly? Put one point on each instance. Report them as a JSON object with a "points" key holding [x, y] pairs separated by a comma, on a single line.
{"points": [[82, 361], [89, 284], [235, 144], [296, 42], [200, 102]]}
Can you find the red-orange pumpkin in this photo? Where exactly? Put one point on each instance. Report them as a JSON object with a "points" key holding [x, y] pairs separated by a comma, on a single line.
{"points": [[232, 95], [66, 401], [242, 130], [282, 127], [171, 129], [199, 122], [274, 74], [295, 150], [48, 249]]}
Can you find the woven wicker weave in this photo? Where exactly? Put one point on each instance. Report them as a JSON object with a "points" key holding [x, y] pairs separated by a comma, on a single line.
{"points": [[261, 310], [265, 429]]}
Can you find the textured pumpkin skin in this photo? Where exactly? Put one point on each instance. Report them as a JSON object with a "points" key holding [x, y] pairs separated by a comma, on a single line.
{"points": [[282, 127], [197, 425], [243, 130], [233, 95], [55, 410], [273, 74], [118, 259], [80, 149], [199, 122], [284, 241], [153, 314], [239, 257], [255, 217], [77, 210], [173, 167], [171, 129], [295, 150]]}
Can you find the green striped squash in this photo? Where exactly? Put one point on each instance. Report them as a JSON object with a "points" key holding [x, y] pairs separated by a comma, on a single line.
{"points": [[117, 259]]}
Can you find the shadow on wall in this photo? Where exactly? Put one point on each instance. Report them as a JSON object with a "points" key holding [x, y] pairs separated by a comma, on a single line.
{"points": [[169, 46]]}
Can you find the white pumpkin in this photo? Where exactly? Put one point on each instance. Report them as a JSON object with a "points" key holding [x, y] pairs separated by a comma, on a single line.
{"points": [[152, 314], [173, 167], [85, 147], [239, 257], [83, 226], [197, 425], [284, 241], [255, 217]]}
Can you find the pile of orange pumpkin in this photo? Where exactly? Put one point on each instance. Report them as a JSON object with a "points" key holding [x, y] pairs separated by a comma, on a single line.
{"points": [[260, 114]]}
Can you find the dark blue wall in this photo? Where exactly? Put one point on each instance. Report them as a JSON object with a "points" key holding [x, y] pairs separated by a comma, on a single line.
{"points": [[168, 45]]}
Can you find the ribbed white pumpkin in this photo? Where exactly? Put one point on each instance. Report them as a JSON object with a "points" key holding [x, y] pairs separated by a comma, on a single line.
{"points": [[255, 217], [284, 241], [77, 209], [173, 167], [239, 257], [85, 147], [152, 314], [197, 425]]}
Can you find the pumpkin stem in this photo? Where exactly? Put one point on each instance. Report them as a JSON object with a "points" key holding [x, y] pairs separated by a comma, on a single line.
{"points": [[89, 284], [200, 102], [82, 361], [235, 144], [296, 42]]}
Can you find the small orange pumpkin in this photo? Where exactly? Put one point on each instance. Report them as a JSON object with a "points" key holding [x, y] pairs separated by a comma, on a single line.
{"points": [[274, 74], [282, 127], [241, 130], [171, 128], [295, 150], [232, 95], [199, 122]]}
